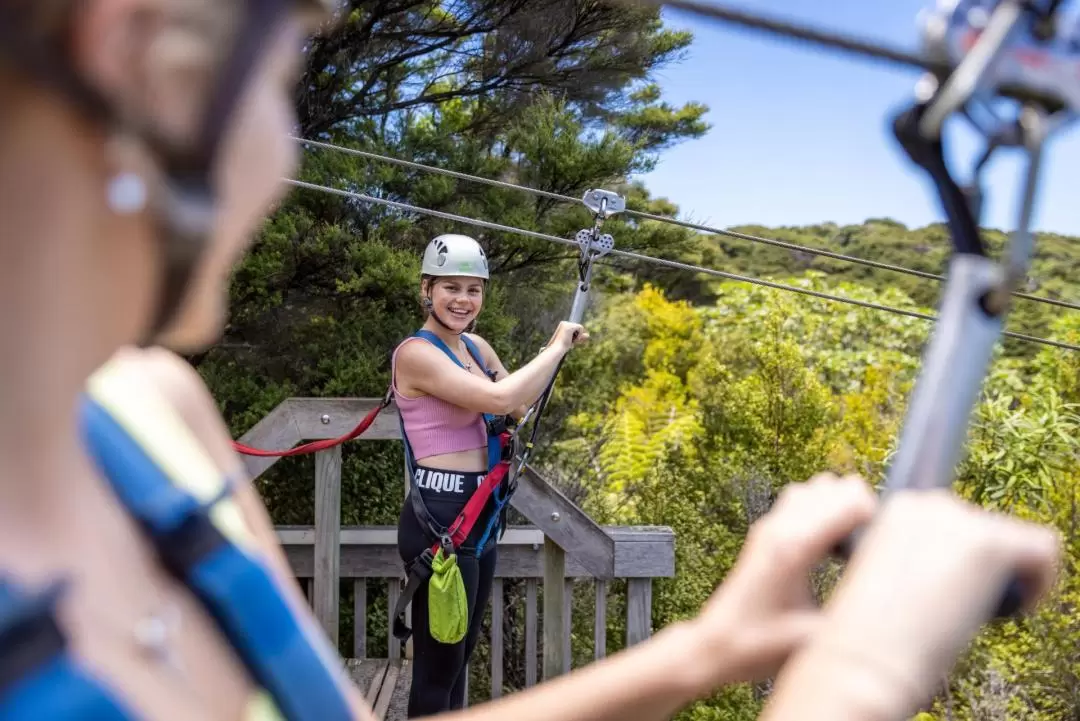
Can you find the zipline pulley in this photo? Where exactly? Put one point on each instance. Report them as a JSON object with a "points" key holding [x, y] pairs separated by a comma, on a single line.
{"points": [[603, 204], [593, 244]]}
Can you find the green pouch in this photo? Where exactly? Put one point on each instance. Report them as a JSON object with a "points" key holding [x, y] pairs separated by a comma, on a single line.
{"points": [[448, 609]]}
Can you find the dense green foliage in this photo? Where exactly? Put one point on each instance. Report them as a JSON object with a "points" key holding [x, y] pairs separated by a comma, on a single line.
{"points": [[718, 406], [697, 399]]}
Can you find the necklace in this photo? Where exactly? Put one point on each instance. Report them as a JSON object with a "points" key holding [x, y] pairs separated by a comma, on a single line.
{"points": [[467, 362], [154, 636]]}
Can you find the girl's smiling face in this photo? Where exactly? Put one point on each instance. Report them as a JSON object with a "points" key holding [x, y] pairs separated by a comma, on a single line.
{"points": [[457, 300]]}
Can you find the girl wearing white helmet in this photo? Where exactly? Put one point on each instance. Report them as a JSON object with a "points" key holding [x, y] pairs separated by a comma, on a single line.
{"points": [[445, 380]]}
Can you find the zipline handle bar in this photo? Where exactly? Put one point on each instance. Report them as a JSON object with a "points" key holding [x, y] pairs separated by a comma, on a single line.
{"points": [[603, 204], [977, 53], [976, 298]]}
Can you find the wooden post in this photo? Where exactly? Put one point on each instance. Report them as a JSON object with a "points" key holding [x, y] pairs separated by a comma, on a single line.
{"points": [[327, 539], [393, 593], [530, 632], [638, 610], [497, 638], [568, 622], [554, 598], [360, 618], [600, 621]]}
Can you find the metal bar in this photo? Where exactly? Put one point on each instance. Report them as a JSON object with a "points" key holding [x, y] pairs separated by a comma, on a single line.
{"points": [[581, 294], [948, 385], [784, 28]]}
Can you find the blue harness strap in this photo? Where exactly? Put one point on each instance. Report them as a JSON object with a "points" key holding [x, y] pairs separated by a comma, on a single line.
{"points": [[285, 656], [494, 448], [38, 678], [501, 495]]}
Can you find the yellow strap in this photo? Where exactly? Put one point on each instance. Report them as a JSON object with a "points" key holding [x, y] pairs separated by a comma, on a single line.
{"points": [[262, 708], [141, 409], [138, 406]]}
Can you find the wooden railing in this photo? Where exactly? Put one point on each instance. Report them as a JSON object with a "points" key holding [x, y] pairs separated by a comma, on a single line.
{"points": [[562, 550], [369, 556]]}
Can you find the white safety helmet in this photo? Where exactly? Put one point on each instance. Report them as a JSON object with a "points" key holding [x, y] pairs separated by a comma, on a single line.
{"points": [[453, 254]]}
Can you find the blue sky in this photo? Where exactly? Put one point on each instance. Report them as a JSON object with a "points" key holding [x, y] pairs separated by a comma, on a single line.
{"points": [[799, 135]]}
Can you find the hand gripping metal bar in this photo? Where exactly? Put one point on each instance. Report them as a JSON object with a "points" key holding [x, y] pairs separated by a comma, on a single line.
{"points": [[593, 244], [977, 294]]}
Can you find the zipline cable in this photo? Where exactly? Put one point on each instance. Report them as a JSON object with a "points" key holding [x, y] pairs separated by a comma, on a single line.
{"points": [[665, 219], [649, 259]]}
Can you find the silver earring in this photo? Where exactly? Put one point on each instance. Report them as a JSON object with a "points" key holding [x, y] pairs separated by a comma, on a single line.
{"points": [[126, 193]]}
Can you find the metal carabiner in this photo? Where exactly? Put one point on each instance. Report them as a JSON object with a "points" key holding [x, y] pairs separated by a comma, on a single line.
{"points": [[593, 244]]}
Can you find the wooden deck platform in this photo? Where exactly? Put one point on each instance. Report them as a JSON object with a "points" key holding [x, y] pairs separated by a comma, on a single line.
{"points": [[541, 577], [385, 684]]}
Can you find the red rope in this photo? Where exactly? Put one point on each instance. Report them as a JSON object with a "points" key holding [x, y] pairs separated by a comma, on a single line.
{"points": [[313, 446], [462, 526]]}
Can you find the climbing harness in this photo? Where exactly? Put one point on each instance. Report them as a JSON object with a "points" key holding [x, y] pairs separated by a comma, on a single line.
{"points": [[978, 53], [451, 539], [167, 482], [171, 487], [322, 444], [39, 677]]}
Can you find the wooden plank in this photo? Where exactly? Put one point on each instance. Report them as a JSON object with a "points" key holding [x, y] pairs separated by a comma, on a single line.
{"points": [[360, 618], [372, 552], [568, 622], [321, 418], [366, 674], [382, 701], [392, 643], [600, 621], [638, 610], [327, 540], [530, 632], [554, 593], [377, 679], [515, 535], [496, 638], [399, 700], [276, 431], [643, 551], [570, 527]]}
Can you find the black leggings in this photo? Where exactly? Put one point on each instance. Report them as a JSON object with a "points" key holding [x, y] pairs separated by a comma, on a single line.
{"points": [[438, 676]]}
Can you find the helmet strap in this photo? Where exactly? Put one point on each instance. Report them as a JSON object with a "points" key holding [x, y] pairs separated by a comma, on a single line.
{"points": [[189, 203], [429, 306], [185, 205]]}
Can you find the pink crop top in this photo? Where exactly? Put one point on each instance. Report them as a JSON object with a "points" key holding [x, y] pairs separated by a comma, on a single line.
{"points": [[434, 426]]}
